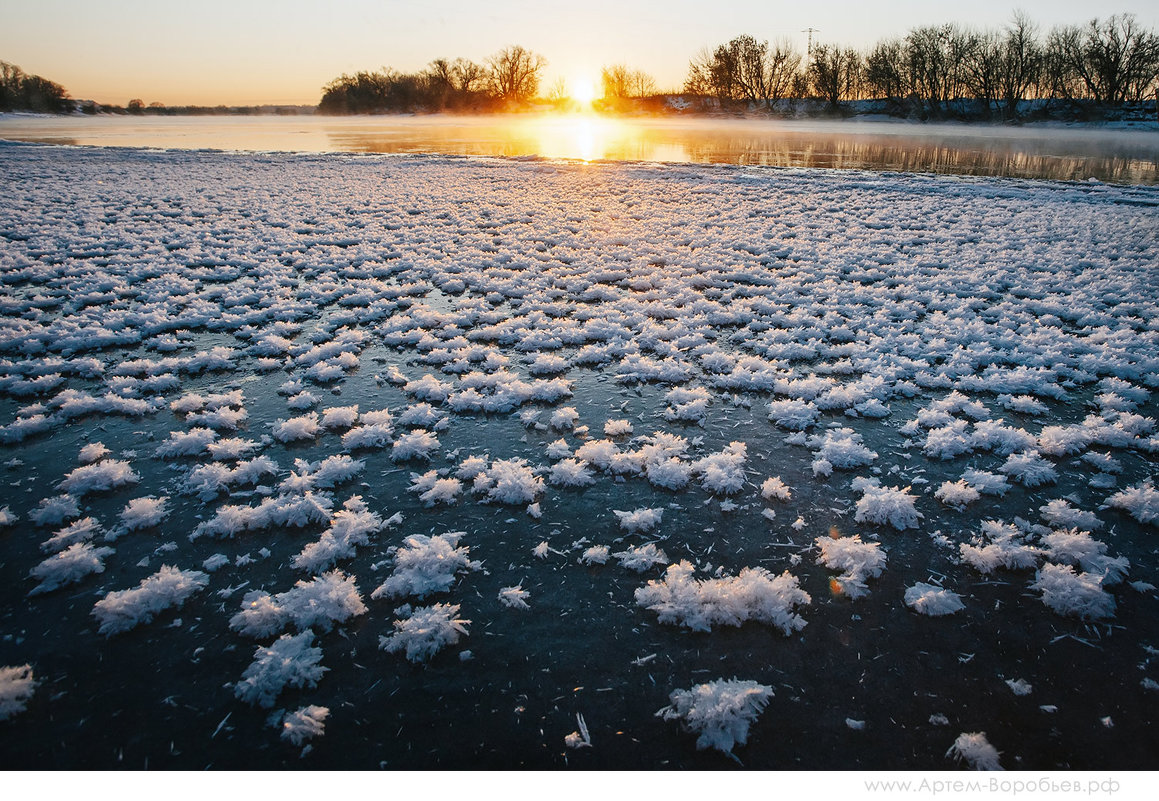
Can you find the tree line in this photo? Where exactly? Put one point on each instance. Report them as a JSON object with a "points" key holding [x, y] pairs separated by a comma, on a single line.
{"points": [[942, 70], [20, 91], [935, 71], [507, 79]]}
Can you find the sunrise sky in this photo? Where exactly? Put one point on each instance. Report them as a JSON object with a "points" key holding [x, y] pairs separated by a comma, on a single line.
{"points": [[283, 51]]}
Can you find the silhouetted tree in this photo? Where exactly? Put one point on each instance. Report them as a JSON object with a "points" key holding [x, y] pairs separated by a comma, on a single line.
{"points": [[981, 66], [1022, 62], [887, 70], [782, 66], [620, 83], [744, 71], [1107, 62], [935, 55], [20, 91], [513, 74], [835, 73], [467, 76]]}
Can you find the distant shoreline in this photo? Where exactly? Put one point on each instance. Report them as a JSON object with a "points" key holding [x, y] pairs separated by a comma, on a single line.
{"points": [[1045, 113]]}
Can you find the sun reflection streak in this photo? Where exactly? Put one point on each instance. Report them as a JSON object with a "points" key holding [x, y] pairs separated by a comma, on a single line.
{"points": [[583, 137]]}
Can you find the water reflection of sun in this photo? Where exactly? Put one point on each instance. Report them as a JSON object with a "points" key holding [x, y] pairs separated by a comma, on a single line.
{"points": [[585, 137]]}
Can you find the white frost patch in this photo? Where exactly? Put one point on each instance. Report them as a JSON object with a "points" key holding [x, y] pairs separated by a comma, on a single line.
{"points": [[639, 520], [858, 561], [426, 565], [570, 473], [17, 685], [69, 566], [169, 587], [292, 661], [55, 510], [425, 631], [1074, 547], [514, 597], [931, 600], [999, 545], [753, 594], [509, 481], [957, 494], [1029, 469], [304, 724], [367, 436], [722, 473], [617, 428], [92, 452], [99, 477], [564, 418], [976, 750], [417, 444], [775, 489], [321, 602], [1019, 686], [1140, 501], [297, 428], [433, 488], [642, 557], [986, 483], [350, 527], [144, 512], [719, 712], [1073, 594], [82, 530], [793, 414], [186, 443], [1059, 512], [843, 448], [339, 417], [885, 505], [595, 555]]}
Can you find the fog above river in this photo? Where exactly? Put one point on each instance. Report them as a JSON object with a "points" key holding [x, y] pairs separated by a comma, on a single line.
{"points": [[1057, 153]]}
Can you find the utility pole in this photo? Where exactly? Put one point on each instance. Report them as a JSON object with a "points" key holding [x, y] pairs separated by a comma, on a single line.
{"points": [[809, 50]]}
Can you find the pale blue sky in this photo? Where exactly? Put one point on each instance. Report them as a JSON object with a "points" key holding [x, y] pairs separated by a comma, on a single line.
{"points": [[283, 51]]}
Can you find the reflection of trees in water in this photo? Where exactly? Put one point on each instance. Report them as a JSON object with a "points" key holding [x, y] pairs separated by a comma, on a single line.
{"points": [[1042, 157], [968, 157]]}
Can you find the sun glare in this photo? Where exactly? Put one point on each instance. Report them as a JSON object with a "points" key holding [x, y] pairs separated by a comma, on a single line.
{"points": [[582, 90]]}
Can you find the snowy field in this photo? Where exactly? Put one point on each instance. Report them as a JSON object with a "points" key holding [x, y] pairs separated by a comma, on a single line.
{"points": [[416, 462]]}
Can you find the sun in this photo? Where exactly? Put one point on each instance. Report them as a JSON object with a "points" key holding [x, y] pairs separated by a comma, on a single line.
{"points": [[582, 89]]}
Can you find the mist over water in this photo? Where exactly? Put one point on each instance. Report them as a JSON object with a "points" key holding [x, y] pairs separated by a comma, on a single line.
{"points": [[1109, 155]]}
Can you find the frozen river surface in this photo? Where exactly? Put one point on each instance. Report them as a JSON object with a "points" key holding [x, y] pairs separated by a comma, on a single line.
{"points": [[331, 461]]}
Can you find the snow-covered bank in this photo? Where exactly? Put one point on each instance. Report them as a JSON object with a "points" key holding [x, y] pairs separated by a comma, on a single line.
{"points": [[874, 444]]}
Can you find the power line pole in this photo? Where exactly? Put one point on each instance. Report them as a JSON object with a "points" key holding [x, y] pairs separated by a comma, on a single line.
{"points": [[809, 50]]}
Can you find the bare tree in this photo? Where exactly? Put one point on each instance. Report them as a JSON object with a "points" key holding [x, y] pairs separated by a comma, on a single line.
{"points": [[935, 55], [834, 72], [1022, 62], [1118, 60], [701, 80], [782, 66], [981, 66], [616, 80], [513, 74], [619, 82], [887, 70], [642, 84], [744, 71], [747, 56], [466, 75]]}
